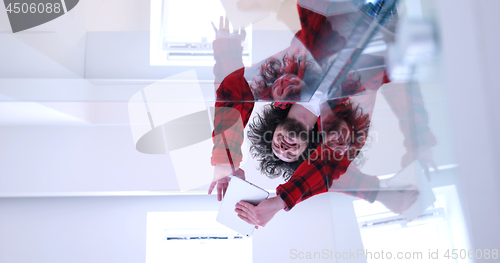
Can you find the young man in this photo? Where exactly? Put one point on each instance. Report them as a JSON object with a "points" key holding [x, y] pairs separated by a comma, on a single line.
{"points": [[326, 163], [312, 46]]}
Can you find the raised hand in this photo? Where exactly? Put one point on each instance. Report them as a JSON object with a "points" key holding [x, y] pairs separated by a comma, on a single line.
{"points": [[424, 157], [221, 179], [224, 32]]}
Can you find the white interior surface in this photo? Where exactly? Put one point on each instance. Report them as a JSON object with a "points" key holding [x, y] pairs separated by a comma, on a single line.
{"points": [[54, 158]]}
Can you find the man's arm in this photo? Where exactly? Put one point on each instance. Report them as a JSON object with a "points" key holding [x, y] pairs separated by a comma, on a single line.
{"points": [[227, 50], [234, 99], [232, 109], [358, 184], [406, 102], [261, 214], [367, 187], [396, 200], [314, 176], [316, 32]]}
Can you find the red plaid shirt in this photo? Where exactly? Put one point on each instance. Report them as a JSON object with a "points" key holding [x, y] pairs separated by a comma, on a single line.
{"points": [[317, 34], [233, 93], [317, 174], [234, 106], [232, 110]]}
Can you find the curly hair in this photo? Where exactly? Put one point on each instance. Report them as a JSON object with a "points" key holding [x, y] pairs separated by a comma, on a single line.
{"points": [[261, 135], [268, 72], [357, 121], [273, 69]]}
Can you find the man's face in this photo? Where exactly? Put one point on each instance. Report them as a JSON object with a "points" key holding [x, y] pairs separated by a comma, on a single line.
{"points": [[287, 87], [292, 60], [339, 140], [289, 140]]}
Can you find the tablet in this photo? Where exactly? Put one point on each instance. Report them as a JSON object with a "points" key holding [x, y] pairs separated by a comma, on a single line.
{"points": [[413, 175], [239, 190]]}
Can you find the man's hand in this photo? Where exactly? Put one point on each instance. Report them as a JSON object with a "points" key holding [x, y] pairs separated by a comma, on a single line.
{"points": [[261, 214], [424, 157], [398, 200], [221, 178], [223, 31]]}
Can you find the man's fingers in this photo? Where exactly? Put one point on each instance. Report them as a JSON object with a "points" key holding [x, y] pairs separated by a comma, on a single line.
{"points": [[219, 192], [214, 27], [245, 209], [224, 189], [246, 206], [248, 209], [211, 188], [239, 173], [227, 23], [243, 213], [245, 216], [246, 219], [221, 22]]}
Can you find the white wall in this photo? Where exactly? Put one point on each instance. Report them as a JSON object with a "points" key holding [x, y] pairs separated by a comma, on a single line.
{"points": [[84, 158], [470, 40], [113, 229], [99, 229]]}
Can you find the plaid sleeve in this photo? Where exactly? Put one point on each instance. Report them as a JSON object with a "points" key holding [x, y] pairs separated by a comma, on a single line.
{"points": [[316, 32], [313, 177], [234, 102], [228, 57], [311, 24], [357, 184], [324, 172], [408, 105], [232, 110]]}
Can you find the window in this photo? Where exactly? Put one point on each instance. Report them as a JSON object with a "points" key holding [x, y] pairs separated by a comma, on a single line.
{"points": [[182, 33], [193, 237], [441, 227]]}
